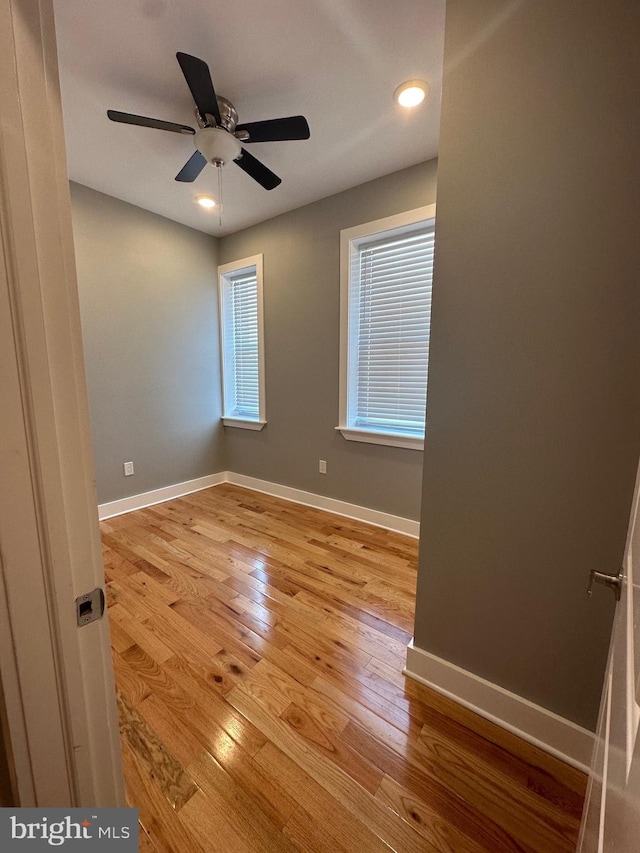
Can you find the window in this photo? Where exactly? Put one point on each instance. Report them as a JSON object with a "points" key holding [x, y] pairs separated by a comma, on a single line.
{"points": [[386, 275], [241, 324]]}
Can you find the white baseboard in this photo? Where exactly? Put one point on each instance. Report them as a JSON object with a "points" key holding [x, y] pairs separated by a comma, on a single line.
{"points": [[535, 724], [157, 496], [359, 513]]}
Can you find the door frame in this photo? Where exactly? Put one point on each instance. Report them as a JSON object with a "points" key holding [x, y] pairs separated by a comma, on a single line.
{"points": [[57, 679], [615, 748]]}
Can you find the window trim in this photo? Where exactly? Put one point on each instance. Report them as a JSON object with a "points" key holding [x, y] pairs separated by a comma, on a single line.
{"points": [[348, 239], [224, 271]]}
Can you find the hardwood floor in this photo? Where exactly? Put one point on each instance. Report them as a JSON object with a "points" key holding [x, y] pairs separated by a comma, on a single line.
{"points": [[258, 649]]}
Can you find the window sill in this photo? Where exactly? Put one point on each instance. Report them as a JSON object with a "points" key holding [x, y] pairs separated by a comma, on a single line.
{"points": [[371, 437], [240, 423]]}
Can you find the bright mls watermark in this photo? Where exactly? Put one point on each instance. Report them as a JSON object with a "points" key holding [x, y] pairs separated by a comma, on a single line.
{"points": [[104, 830]]}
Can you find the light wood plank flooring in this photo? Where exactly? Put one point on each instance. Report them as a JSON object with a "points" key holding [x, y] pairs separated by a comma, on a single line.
{"points": [[258, 650]]}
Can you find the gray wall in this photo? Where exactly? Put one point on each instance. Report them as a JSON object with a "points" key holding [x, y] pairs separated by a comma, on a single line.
{"points": [[302, 324], [148, 300], [533, 425]]}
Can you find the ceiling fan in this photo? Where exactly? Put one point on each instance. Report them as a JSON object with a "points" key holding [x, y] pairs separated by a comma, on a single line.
{"points": [[219, 136]]}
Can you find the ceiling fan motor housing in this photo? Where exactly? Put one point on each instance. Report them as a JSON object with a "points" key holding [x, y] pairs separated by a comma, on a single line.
{"points": [[216, 145], [228, 114]]}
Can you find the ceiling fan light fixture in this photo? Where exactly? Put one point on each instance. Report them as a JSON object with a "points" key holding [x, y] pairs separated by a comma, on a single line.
{"points": [[217, 145], [206, 201], [411, 93]]}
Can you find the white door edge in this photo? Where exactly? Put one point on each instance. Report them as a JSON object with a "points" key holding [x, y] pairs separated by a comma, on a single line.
{"points": [[57, 678]]}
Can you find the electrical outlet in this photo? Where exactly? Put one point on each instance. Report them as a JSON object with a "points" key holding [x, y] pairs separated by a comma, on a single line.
{"points": [[128, 469], [322, 466]]}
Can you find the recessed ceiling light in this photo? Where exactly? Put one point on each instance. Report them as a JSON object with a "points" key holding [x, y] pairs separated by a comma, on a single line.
{"points": [[206, 201], [411, 93]]}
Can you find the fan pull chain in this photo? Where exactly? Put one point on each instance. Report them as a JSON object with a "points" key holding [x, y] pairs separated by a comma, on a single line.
{"points": [[219, 168]]}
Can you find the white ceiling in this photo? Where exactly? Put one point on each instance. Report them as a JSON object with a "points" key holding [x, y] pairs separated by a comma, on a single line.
{"points": [[335, 61]]}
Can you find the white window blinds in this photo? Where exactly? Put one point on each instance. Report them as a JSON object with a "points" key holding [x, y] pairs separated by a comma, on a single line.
{"points": [[242, 385], [389, 317], [242, 337]]}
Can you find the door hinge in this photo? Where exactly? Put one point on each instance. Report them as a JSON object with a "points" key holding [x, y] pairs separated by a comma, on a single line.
{"points": [[90, 607]]}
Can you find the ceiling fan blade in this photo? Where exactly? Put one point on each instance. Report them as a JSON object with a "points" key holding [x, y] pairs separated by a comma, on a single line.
{"points": [[258, 171], [196, 73], [192, 168], [143, 121], [277, 129]]}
